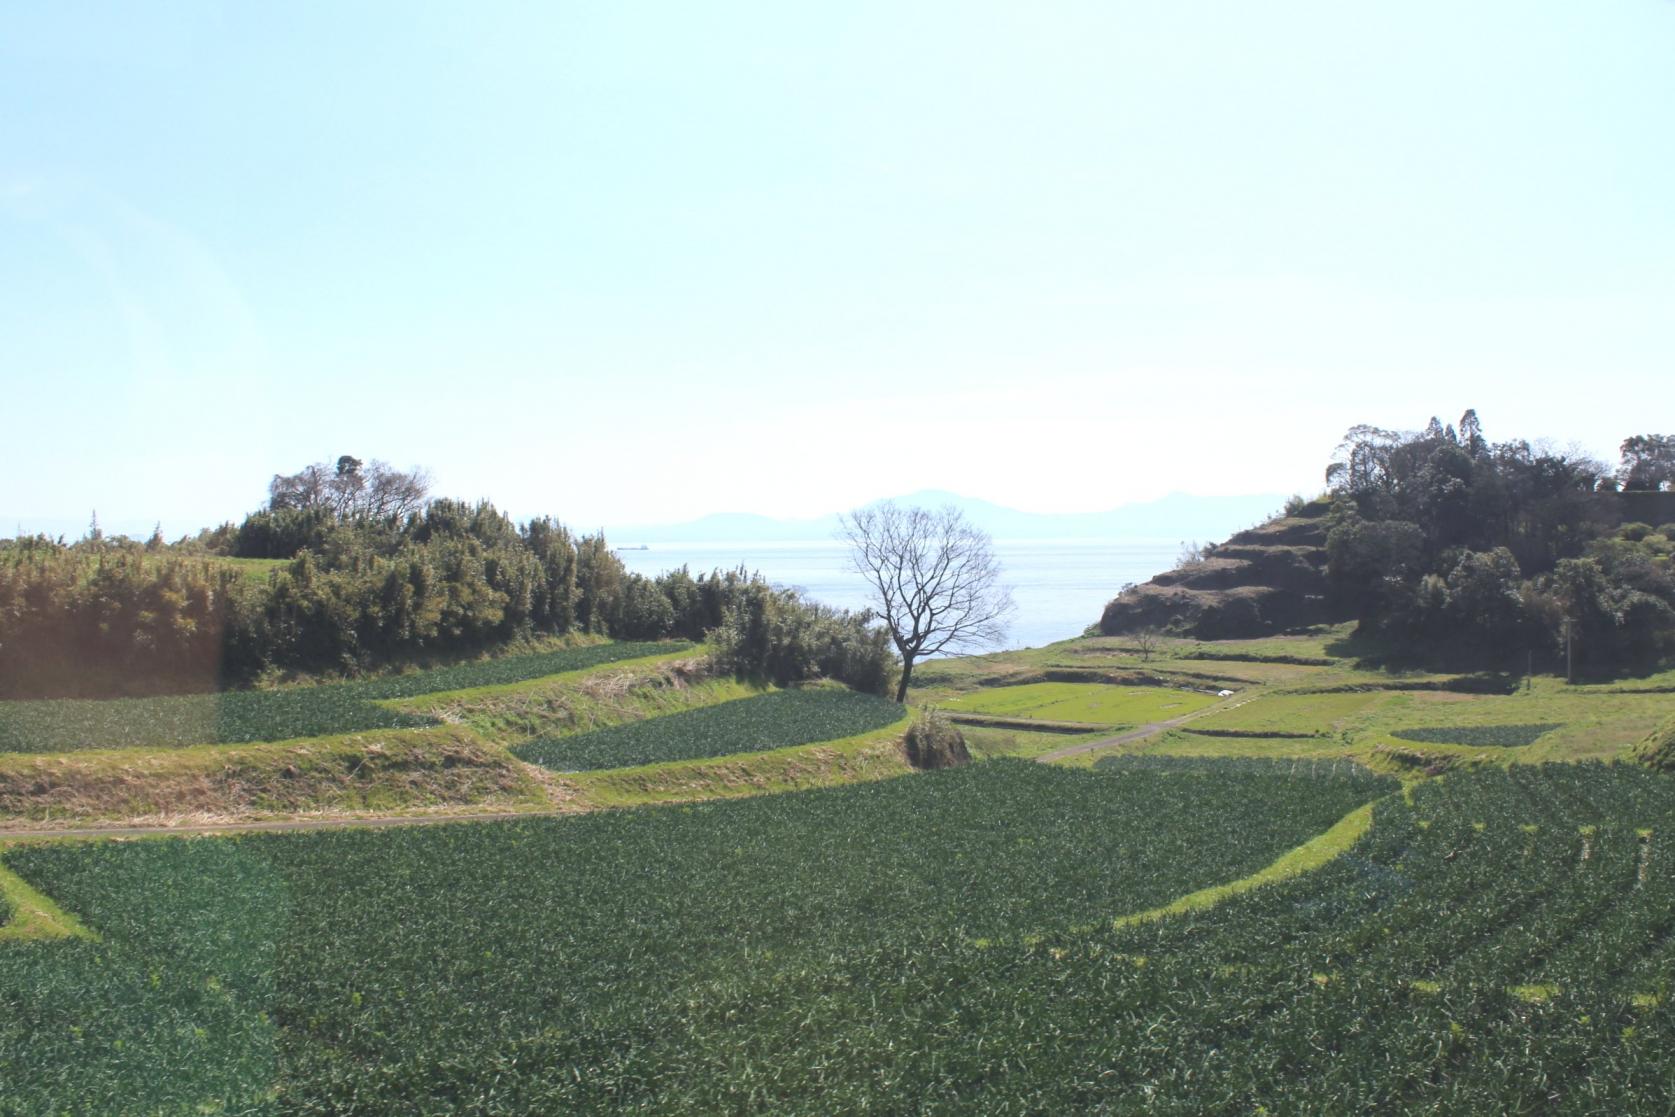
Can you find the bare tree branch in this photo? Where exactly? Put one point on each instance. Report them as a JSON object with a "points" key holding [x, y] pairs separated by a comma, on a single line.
{"points": [[934, 579]]}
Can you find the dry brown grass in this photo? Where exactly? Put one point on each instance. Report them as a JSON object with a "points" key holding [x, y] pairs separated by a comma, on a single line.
{"points": [[445, 768]]}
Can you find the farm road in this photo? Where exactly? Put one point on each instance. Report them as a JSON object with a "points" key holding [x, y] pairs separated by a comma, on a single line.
{"points": [[1128, 737]]}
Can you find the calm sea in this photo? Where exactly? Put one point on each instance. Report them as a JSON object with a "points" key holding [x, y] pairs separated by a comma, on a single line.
{"points": [[1059, 587]]}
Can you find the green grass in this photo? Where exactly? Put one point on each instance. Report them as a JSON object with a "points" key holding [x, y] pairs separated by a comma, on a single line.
{"points": [[1081, 702], [26, 915], [274, 715], [254, 569], [1291, 713], [768, 721], [767, 955], [987, 743]]}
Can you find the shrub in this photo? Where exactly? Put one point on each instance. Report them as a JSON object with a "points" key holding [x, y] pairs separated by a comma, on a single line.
{"points": [[935, 742], [773, 634]]}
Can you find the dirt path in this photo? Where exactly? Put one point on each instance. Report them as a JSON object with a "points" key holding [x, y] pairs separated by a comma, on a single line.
{"points": [[1128, 737], [272, 825]]}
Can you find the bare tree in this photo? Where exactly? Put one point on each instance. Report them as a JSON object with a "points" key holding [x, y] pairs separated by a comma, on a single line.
{"points": [[933, 579], [1146, 641], [351, 488]]}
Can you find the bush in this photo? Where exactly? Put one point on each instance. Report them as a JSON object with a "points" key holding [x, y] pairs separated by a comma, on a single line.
{"points": [[1657, 751], [935, 742], [774, 635]]}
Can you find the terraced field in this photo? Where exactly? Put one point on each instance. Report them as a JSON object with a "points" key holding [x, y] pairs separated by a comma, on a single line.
{"points": [[1090, 703], [1183, 927], [798, 953], [234, 717], [1321, 714], [1499, 942], [775, 720]]}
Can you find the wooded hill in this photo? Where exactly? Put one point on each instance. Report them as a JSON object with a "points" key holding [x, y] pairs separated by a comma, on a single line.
{"points": [[1448, 547]]}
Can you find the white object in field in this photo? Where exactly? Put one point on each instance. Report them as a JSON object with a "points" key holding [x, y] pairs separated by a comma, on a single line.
{"points": [[1224, 694]]}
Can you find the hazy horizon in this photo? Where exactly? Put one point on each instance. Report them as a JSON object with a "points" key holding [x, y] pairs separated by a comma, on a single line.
{"points": [[72, 528]]}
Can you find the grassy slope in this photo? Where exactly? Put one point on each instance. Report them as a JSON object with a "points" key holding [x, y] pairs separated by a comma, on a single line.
{"points": [[376, 772], [1082, 702], [859, 759]]}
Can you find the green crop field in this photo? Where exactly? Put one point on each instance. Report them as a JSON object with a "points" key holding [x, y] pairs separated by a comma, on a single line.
{"points": [[233, 717], [768, 721], [832, 951], [1500, 736], [1094, 703]]}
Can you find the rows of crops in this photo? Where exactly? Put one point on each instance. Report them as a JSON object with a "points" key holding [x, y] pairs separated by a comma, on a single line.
{"points": [[1095, 703], [1498, 736], [775, 720], [275, 715], [821, 952], [1328, 768]]}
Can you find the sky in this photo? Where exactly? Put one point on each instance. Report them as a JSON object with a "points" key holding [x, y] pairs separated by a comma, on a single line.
{"points": [[638, 262]]}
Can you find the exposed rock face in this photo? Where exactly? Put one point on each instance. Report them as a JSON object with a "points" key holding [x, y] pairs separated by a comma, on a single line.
{"points": [[1265, 580]]}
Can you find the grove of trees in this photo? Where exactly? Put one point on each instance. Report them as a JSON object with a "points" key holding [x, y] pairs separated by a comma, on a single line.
{"points": [[361, 586], [1451, 546]]}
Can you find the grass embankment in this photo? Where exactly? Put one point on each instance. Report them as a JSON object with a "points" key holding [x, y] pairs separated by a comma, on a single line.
{"points": [[580, 701], [27, 916], [864, 758], [1311, 855], [392, 771]]}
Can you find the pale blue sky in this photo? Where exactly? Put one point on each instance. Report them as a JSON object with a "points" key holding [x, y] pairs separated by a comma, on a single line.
{"points": [[630, 262]]}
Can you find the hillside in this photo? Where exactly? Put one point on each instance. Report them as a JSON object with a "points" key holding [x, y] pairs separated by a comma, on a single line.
{"points": [[1449, 549], [1263, 580]]}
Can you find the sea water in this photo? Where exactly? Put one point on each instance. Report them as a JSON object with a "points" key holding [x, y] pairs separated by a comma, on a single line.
{"points": [[1059, 588]]}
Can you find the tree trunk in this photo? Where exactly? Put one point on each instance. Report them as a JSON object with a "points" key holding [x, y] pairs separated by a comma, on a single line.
{"points": [[906, 675]]}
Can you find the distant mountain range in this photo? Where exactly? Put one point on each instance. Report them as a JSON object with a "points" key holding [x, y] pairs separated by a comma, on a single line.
{"points": [[1178, 516]]}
